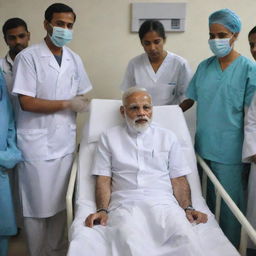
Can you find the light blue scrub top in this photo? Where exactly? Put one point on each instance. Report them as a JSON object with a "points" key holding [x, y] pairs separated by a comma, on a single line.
{"points": [[221, 97], [9, 156]]}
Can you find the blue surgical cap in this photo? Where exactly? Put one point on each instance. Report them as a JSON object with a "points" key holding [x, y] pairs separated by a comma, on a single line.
{"points": [[227, 18]]}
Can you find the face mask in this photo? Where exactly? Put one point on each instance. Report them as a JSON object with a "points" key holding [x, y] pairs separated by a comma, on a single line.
{"points": [[61, 36], [220, 47]]}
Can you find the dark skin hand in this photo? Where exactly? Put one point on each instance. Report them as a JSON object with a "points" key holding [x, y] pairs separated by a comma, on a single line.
{"points": [[186, 104], [96, 218], [196, 216]]}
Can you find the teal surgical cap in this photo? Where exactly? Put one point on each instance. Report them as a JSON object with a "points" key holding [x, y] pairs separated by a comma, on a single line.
{"points": [[227, 18]]}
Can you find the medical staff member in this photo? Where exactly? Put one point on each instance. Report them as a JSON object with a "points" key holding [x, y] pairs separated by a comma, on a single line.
{"points": [[50, 80], [249, 146], [252, 42], [223, 86], [16, 37], [249, 156], [164, 74], [9, 156]]}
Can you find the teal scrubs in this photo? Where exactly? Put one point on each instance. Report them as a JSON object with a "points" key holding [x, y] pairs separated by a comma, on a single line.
{"points": [[9, 156], [221, 97]]}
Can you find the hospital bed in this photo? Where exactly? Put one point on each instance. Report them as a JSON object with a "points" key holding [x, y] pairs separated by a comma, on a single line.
{"points": [[80, 196]]}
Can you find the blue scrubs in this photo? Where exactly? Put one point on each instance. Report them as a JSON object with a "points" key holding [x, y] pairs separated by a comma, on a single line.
{"points": [[221, 97], [9, 156]]}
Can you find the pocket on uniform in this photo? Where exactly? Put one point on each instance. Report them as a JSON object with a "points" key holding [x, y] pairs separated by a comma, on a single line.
{"points": [[33, 143], [236, 99], [164, 93], [158, 159], [73, 136], [74, 86]]}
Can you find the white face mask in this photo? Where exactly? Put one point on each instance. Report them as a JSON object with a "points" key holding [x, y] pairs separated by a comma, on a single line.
{"points": [[135, 126], [220, 47], [61, 36]]}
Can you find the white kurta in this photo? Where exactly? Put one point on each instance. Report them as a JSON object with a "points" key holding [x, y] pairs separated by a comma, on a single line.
{"points": [[249, 149], [46, 140], [167, 86], [144, 218]]}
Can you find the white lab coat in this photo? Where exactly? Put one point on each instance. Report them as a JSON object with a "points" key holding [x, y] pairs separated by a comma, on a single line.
{"points": [[167, 86], [46, 139], [249, 149]]}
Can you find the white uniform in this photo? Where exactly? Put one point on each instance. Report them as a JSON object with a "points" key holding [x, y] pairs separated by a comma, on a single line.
{"points": [[167, 86], [249, 149], [6, 65], [144, 218], [47, 141]]}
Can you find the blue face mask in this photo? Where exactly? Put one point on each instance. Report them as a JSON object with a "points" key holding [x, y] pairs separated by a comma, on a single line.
{"points": [[61, 36], [220, 47]]}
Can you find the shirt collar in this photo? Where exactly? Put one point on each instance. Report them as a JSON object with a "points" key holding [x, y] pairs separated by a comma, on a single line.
{"points": [[134, 133], [9, 60]]}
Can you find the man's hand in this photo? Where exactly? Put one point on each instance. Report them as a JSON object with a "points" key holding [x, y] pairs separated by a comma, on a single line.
{"points": [[96, 218], [196, 216], [79, 103], [253, 159]]}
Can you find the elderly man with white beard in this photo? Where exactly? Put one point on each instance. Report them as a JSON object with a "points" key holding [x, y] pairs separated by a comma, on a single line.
{"points": [[142, 194]]}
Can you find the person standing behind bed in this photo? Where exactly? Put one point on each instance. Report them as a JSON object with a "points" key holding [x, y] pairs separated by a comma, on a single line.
{"points": [[9, 156], [50, 80], [164, 74], [16, 37], [249, 149], [223, 86]]}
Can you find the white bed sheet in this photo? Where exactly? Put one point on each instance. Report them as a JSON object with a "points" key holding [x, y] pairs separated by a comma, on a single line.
{"points": [[214, 241]]}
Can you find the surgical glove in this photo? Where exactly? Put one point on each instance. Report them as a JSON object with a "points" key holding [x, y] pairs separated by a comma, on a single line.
{"points": [[79, 104]]}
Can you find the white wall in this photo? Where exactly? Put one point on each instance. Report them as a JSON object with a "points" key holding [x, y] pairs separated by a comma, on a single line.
{"points": [[103, 39]]}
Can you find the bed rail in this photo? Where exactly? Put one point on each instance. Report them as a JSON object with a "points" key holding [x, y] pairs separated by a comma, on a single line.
{"points": [[247, 229], [71, 191]]}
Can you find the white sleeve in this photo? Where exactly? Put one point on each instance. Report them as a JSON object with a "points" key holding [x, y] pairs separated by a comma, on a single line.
{"points": [[185, 75], [102, 158], [249, 145], [129, 79], [178, 165], [24, 73], [84, 82]]}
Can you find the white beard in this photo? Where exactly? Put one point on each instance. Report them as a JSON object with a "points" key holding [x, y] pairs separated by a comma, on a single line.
{"points": [[136, 126]]}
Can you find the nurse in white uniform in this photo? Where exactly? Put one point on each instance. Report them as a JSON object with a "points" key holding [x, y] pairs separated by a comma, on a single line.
{"points": [[249, 146], [164, 74], [50, 80], [249, 155]]}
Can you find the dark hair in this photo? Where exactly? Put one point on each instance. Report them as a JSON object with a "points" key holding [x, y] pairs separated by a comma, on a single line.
{"points": [[253, 31], [13, 23], [57, 8], [151, 25]]}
